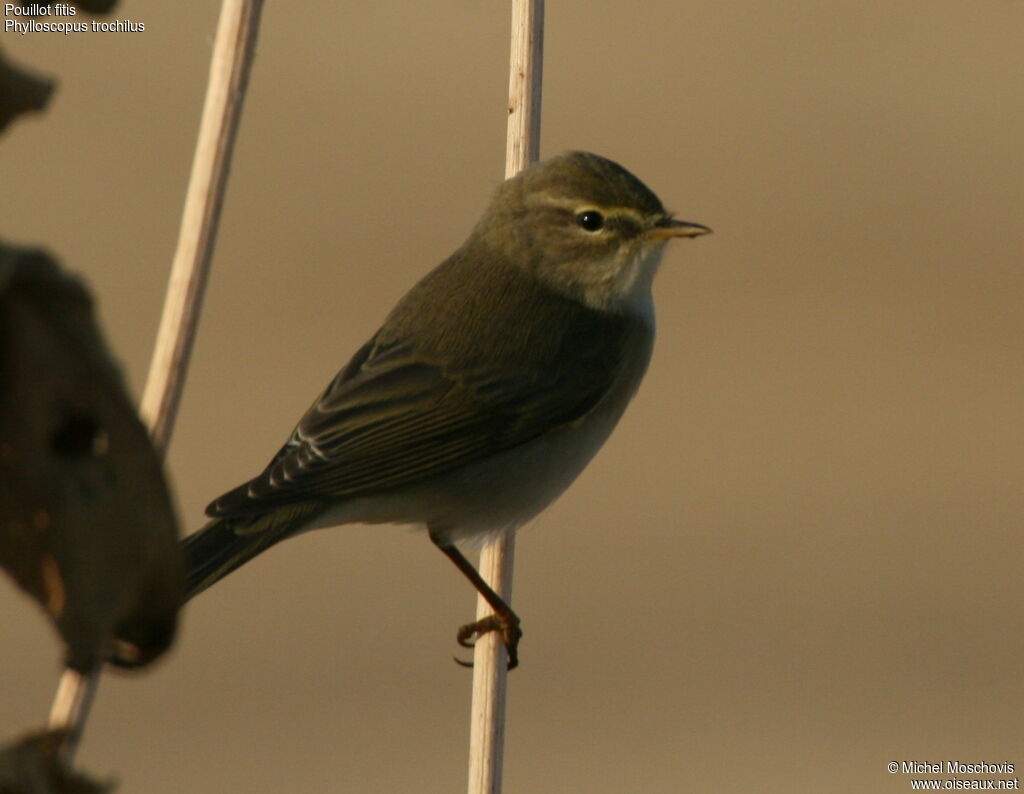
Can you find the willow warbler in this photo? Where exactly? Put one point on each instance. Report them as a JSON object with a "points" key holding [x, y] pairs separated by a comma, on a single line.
{"points": [[486, 391]]}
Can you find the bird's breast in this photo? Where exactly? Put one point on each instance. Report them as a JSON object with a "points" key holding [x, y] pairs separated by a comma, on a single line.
{"points": [[510, 488]]}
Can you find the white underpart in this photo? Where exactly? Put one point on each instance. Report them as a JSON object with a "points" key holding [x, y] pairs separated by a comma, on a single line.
{"points": [[626, 285]]}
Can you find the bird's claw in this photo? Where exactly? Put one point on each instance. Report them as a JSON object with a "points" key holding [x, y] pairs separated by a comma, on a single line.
{"points": [[510, 634]]}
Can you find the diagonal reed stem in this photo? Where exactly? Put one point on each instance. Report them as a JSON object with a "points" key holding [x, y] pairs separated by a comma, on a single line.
{"points": [[233, 54]]}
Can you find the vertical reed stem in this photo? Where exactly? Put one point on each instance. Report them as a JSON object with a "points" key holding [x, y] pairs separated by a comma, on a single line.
{"points": [[487, 720]]}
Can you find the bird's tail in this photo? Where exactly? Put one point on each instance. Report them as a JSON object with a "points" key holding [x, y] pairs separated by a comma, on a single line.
{"points": [[225, 544]]}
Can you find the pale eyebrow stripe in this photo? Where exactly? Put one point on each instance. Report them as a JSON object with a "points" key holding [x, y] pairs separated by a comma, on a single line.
{"points": [[574, 206]]}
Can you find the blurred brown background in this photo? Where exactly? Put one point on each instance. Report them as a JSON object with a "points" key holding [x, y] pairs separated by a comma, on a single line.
{"points": [[799, 557]]}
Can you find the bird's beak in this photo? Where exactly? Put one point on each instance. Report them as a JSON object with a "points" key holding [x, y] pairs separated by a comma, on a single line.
{"points": [[670, 227]]}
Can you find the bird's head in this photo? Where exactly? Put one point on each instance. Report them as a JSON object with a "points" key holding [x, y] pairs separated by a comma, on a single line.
{"points": [[586, 227]]}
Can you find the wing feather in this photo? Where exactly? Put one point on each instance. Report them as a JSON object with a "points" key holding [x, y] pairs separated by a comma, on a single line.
{"points": [[419, 400]]}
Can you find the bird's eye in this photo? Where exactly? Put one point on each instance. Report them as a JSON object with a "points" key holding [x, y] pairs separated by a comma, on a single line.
{"points": [[591, 220]]}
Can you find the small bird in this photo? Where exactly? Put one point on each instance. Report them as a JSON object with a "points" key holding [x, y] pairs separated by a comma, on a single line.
{"points": [[486, 391]]}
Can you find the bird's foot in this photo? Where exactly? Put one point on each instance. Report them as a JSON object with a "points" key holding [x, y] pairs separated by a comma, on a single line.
{"points": [[508, 625]]}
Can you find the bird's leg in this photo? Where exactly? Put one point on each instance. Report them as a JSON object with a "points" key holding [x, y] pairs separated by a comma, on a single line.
{"points": [[504, 619]]}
